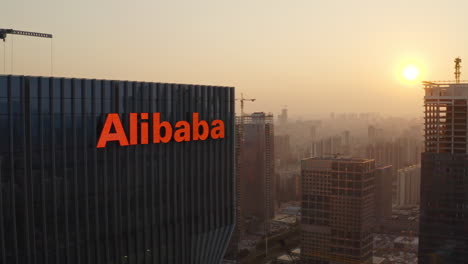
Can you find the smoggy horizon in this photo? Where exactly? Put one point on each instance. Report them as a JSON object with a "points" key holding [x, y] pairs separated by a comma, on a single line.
{"points": [[314, 57]]}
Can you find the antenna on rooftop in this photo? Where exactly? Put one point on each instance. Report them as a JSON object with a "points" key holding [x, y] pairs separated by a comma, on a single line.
{"points": [[457, 69]]}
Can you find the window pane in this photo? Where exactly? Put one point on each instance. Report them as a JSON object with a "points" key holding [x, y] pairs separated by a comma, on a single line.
{"points": [[33, 88], [67, 89], [16, 105], [57, 89], [77, 89], [77, 106], [3, 105], [3, 86], [56, 106], [45, 87], [67, 104], [45, 105], [15, 88], [34, 105]]}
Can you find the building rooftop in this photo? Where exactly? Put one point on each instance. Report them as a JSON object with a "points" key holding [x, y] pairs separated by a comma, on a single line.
{"points": [[444, 82], [296, 251], [291, 210], [413, 241], [285, 219], [285, 259], [445, 89], [339, 158], [382, 167], [378, 260]]}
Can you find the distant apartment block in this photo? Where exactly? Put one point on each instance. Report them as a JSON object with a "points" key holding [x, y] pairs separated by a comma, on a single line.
{"points": [[327, 146], [283, 117], [400, 152], [383, 195], [346, 148], [288, 185], [283, 153], [408, 186], [337, 210]]}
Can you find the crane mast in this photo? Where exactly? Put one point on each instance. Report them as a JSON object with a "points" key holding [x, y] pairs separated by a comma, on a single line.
{"points": [[457, 69], [242, 100]]}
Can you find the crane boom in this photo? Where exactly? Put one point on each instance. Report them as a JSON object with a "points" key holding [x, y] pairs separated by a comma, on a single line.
{"points": [[242, 100], [5, 32]]}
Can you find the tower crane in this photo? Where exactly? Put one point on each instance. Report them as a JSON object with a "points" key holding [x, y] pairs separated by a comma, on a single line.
{"points": [[239, 148], [5, 32], [242, 100], [457, 69]]}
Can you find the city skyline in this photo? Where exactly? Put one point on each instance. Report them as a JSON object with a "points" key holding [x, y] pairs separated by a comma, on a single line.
{"points": [[233, 132]]}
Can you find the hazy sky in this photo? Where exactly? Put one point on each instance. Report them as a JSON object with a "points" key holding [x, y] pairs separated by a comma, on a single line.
{"points": [[315, 57]]}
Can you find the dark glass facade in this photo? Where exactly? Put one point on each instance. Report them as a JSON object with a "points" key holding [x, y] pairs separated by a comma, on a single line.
{"points": [[64, 201], [443, 234], [443, 228]]}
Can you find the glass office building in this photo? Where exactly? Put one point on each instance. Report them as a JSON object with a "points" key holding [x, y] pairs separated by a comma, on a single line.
{"points": [[64, 201]]}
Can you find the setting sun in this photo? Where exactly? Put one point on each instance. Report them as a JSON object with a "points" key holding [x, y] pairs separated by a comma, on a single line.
{"points": [[411, 72]]}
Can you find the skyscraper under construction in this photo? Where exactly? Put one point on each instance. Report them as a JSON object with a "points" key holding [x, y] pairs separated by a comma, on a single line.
{"points": [[257, 172], [337, 210], [444, 177]]}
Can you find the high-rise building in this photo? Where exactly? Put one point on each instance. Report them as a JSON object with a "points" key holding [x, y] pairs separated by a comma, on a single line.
{"points": [[313, 133], [283, 117], [383, 195], [337, 215], [98, 171], [283, 150], [327, 146], [400, 152], [232, 252], [346, 147], [288, 184], [257, 177], [408, 186], [444, 182], [371, 134]]}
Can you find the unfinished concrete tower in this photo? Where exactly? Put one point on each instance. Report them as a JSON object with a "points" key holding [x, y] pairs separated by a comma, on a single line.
{"points": [[444, 174], [337, 210]]}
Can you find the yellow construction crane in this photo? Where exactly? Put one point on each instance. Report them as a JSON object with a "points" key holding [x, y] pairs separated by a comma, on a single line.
{"points": [[242, 100]]}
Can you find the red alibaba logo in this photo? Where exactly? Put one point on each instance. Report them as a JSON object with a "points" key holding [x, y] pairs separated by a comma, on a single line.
{"points": [[183, 131]]}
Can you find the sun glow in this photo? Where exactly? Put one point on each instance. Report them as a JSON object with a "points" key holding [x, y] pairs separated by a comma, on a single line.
{"points": [[410, 72]]}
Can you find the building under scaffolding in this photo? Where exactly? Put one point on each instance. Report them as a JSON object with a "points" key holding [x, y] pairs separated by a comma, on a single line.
{"points": [[444, 182], [337, 210], [232, 251], [257, 172]]}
